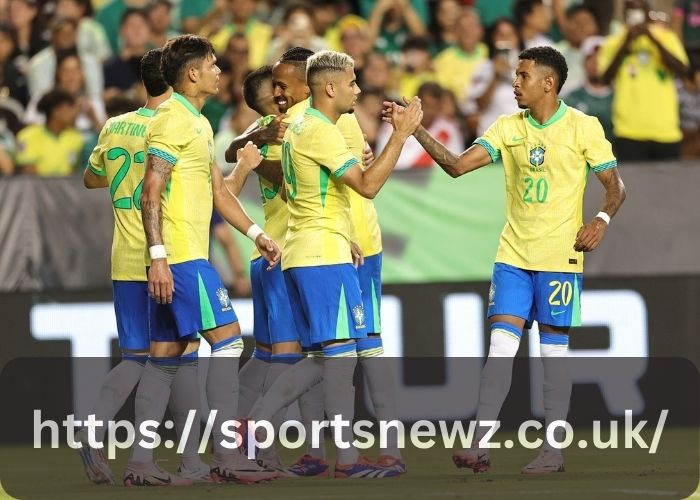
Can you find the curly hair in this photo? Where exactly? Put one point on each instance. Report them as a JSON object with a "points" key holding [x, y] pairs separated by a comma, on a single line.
{"points": [[181, 53], [549, 57]]}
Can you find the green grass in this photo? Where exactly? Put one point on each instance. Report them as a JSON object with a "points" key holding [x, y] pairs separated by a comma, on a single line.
{"points": [[671, 473]]}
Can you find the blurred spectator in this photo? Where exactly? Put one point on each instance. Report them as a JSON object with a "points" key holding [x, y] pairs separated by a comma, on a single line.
{"points": [[641, 61], [296, 30], [577, 24], [238, 17], [443, 29], [390, 23], [218, 106], [534, 19], [160, 20], [52, 149], [12, 81], [594, 97], [92, 38], [455, 65], [377, 74], [42, 67], [444, 130], [123, 71], [491, 10], [325, 15], [24, 18], [239, 121], [686, 22], [369, 113], [354, 39], [365, 8], [110, 17], [689, 99], [193, 12], [236, 54], [416, 65], [491, 93]]}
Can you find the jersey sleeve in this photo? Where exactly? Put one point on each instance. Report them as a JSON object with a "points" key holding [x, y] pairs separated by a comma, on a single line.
{"points": [[164, 137], [673, 44], [331, 151], [96, 161], [492, 140], [27, 147], [596, 148]]}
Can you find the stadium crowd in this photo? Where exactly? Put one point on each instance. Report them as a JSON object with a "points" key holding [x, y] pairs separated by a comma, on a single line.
{"points": [[68, 65]]}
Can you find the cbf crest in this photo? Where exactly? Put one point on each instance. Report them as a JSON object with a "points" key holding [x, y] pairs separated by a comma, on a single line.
{"points": [[222, 295], [537, 155], [358, 315]]}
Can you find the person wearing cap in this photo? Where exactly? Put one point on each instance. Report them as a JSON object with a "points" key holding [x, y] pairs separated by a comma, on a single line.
{"points": [[594, 97]]}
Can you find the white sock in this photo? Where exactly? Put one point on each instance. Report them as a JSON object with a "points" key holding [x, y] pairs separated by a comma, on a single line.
{"points": [[312, 410], [118, 384], [339, 363], [497, 374], [222, 386], [252, 379], [557, 380], [184, 396], [151, 400]]}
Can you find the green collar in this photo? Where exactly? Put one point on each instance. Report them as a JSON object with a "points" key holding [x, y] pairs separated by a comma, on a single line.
{"points": [[148, 113], [561, 111], [314, 112], [182, 100]]}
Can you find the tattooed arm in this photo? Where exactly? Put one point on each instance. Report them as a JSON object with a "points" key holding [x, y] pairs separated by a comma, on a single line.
{"points": [[160, 279], [591, 234]]}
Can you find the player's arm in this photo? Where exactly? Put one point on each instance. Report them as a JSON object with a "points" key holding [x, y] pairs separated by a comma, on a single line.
{"points": [[271, 170], [160, 278], [95, 175], [591, 234], [268, 134], [93, 181], [247, 158], [453, 164], [233, 212], [670, 61], [368, 182]]}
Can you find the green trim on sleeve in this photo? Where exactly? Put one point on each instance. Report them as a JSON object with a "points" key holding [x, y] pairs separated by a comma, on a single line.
{"points": [[345, 167], [493, 152], [605, 166], [163, 155], [96, 171]]}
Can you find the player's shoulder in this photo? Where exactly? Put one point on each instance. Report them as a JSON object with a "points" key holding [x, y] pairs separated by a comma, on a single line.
{"points": [[579, 117], [35, 130], [298, 110]]}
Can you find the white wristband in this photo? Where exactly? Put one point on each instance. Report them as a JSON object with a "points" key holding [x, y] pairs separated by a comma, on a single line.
{"points": [[157, 252], [604, 216], [253, 232]]}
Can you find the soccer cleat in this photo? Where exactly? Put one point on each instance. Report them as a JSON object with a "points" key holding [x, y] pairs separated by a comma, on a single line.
{"points": [[94, 461], [151, 474], [390, 461], [474, 459], [235, 467], [308, 466], [546, 462], [364, 468], [201, 474]]}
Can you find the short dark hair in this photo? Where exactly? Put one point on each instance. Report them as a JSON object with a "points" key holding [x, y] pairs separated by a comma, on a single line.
{"points": [[53, 99], [416, 43], [296, 54], [552, 58], [432, 89], [119, 104], [180, 53], [151, 74], [579, 7], [524, 8], [491, 31], [252, 85], [132, 11]]}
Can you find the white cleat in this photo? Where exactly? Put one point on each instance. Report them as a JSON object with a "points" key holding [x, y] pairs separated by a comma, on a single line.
{"points": [[235, 467], [151, 474], [94, 461], [200, 474], [546, 462]]}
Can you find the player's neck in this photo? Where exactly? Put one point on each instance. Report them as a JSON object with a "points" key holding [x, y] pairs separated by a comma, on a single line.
{"points": [[544, 110], [55, 127], [154, 102], [326, 107], [195, 98]]}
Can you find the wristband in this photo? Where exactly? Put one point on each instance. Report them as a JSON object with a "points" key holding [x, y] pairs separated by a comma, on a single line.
{"points": [[157, 252], [253, 232], [604, 216]]}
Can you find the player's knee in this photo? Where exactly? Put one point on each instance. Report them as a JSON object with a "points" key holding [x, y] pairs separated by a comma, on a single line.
{"points": [[505, 340], [222, 333], [370, 347], [167, 349], [286, 348], [192, 347], [230, 347]]}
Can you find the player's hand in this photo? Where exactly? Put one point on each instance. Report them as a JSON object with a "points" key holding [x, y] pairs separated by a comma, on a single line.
{"points": [[367, 154], [590, 235], [358, 258], [268, 249], [249, 156], [407, 120], [273, 133], [160, 281], [389, 108]]}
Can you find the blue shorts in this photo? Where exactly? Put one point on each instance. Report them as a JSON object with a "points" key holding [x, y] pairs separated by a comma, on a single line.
{"points": [[200, 303], [131, 310], [273, 321], [370, 275], [326, 303], [549, 298]]}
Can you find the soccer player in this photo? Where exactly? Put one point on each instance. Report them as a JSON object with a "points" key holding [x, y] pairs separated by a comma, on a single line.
{"points": [[547, 150], [180, 185], [319, 169], [117, 162]]}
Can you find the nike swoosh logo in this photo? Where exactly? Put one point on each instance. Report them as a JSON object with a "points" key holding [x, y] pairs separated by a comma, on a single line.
{"points": [[166, 480], [557, 313]]}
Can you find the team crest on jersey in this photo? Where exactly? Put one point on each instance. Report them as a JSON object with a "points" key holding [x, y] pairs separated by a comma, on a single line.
{"points": [[537, 156], [222, 295], [358, 314], [492, 294]]}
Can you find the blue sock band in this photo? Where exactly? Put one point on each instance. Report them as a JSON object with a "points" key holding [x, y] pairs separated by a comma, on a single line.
{"points": [[225, 343], [265, 356], [139, 358], [512, 329], [334, 350], [554, 338], [370, 346], [288, 358]]}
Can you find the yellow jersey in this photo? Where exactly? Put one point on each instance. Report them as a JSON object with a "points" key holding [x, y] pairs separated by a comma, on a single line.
{"points": [[52, 155], [119, 156], [454, 68], [182, 136], [546, 166], [314, 158], [643, 76], [258, 34]]}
